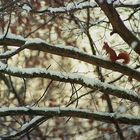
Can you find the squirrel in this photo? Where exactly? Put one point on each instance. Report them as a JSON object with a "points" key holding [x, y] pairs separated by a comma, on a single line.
{"points": [[113, 56]]}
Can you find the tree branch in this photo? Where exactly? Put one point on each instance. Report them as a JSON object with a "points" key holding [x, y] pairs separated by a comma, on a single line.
{"points": [[72, 7], [26, 128], [118, 26], [66, 51], [70, 78], [66, 112], [44, 114]]}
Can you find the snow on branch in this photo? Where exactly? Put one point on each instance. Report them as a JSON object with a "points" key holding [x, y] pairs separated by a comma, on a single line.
{"points": [[66, 51], [70, 78], [67, 112], [27, 127], [44, 113], [12, 39], [71, 7]]}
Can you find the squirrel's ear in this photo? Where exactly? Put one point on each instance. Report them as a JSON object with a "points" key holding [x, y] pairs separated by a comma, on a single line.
{"points": [[105, 45]]}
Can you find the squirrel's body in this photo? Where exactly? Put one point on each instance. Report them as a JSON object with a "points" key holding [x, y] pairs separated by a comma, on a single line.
{"points": [[110, 51], [113, 56], [124, 56]]}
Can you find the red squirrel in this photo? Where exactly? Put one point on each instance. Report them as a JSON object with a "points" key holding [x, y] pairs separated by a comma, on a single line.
{"points": [[113, 56]]}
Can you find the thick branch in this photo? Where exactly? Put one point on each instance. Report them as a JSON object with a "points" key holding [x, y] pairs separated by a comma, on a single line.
{"points": [[70, 78], [118, 25], [48, 113], [66, 112], [68, 51]]}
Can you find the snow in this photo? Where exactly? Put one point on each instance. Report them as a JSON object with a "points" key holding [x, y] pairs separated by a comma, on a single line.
{"points": [[25, 125], [29, 71], [34, 40], [56, 111], [121, 109], [107, 136], [5, 54], [26, 7], [72, 6], [131, 2], [12, 36], [81, 5], [6, 109], [55, 10], [134, 44], [136, 129], [77, 6], [97, 83], [69, 48], [2, 66], [105, 125], [65, 77], [109, 1], [37, 41], [19, 37]]}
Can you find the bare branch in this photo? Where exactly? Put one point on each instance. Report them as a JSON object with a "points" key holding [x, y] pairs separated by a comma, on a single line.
{"points": [[26, 128]]}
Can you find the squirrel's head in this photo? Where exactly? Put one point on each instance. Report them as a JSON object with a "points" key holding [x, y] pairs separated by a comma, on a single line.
{"points": [[105, 46]]}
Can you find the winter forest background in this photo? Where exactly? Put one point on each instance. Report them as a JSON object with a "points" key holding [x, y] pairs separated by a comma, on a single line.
{"points": [[57, 82]]}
